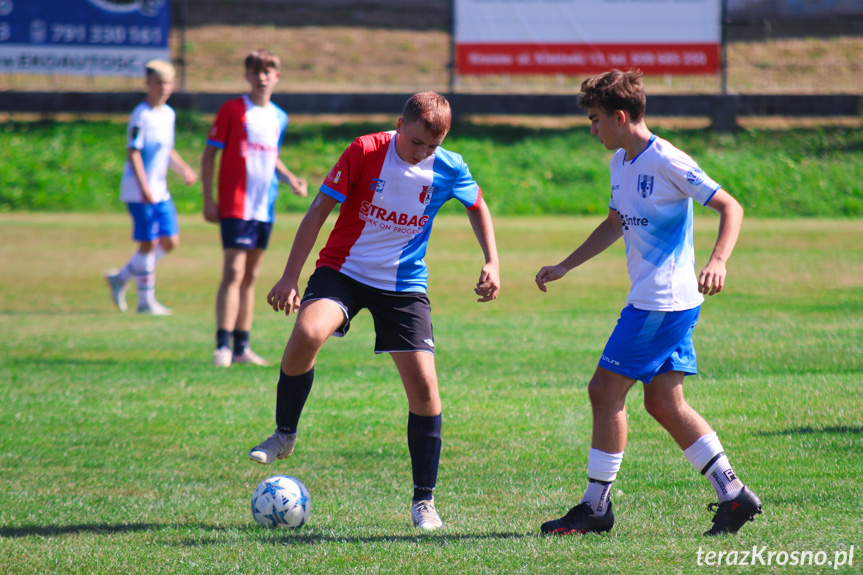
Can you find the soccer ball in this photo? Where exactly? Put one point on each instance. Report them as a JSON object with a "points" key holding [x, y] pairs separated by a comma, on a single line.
{"points": [[281, 501]]}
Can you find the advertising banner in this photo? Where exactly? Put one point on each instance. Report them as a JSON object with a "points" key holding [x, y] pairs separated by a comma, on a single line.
{"points": [[585, 36], [83, 37]]}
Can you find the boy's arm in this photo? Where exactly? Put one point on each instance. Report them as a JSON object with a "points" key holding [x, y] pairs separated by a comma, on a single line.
{"points": [[605, 234], [285, 295], [488, 286], [298, 186], [712, 277], [208, 163], [137, 163], [181, 167]]}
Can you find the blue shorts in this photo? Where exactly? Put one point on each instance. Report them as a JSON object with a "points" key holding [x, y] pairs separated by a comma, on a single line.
{"points": [[151, 221], [245, 234], [647, 343]]}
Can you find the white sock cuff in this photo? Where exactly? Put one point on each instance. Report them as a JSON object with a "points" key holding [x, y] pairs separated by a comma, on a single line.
{"points": [[703, 450], [160, 252], [142, 263], [602, 466]]}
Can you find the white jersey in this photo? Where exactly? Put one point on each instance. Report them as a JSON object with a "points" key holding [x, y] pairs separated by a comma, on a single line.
{"points": [[150, 131], [653, 196]]}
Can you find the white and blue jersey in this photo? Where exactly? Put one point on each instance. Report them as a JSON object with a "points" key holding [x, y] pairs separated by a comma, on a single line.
{"points": [[150, 131], [652, 194], [388, 206]]}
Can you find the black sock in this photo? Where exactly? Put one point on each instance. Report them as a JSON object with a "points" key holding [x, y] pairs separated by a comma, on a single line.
{"points": [[291, 396], [241, 341], [223, 338], [424, 444]]}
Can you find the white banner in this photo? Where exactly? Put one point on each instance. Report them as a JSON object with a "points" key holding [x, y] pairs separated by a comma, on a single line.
{"points": [[577, 36]]}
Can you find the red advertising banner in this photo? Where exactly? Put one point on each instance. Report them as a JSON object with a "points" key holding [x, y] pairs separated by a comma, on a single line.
{"points": [[585, 59]]}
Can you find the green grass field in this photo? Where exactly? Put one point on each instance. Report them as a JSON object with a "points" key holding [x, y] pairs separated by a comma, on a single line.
{"points": [[123, 451]]}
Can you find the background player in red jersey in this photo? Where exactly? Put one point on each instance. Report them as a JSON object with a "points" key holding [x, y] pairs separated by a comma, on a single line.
{"points": [[248, 131]]}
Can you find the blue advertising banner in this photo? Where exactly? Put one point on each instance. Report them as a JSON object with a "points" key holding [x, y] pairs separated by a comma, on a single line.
{"points": [[83, 37]]}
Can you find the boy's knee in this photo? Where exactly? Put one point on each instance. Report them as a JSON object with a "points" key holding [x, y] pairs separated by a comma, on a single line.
{"points": [[659, 407]]}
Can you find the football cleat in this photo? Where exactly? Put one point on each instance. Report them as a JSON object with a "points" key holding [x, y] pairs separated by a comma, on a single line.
{"points": [[222, 357], [118, 289], [731, 515], [251, 357], [277, 446], [154, 308], [424, 515], [580, 520]]}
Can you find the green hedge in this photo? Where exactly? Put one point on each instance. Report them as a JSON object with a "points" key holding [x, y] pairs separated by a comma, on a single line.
{"points": [[76, 166]]}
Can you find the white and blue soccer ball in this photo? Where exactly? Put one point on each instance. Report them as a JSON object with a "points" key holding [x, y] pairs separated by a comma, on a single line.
{"points": [[281, 501]]}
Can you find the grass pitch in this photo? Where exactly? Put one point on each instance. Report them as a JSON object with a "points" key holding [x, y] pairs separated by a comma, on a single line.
{"points": [[123, 451]]}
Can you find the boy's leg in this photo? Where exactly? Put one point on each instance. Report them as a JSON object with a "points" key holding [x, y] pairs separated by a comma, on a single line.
{"points": [[663, 399], [316, 321], [228, 303], [164, 236], [417, 371], [607, 391], [246, 309]]}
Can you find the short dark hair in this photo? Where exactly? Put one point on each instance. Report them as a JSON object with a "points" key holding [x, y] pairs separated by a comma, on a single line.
{"points": [[615, 90], [258, 60], [432, 109]]}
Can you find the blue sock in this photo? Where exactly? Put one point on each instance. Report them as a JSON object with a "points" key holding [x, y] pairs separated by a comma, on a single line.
{"points": [[424, 444], [291, 396], [241, 341], [223, 338]]}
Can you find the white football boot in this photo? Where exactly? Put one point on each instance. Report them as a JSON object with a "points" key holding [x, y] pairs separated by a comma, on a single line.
{"points": [[424, 515], [277, 446], [118, 289]]}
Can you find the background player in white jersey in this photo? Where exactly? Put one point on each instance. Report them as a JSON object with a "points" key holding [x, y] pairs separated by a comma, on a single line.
{"points": [[144, 188], [391, 185], [652, 188], [248, 133]]}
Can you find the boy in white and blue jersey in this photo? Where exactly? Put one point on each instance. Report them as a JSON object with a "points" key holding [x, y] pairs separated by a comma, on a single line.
{"points": [[653, 186], [144, 188]]}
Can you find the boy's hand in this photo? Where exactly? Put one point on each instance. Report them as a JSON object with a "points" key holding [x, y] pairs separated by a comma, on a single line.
{"points": [[285, 295], [189, 176], [712, 278], [549, 274], [301, 188], [211, 212], [488, 286]]}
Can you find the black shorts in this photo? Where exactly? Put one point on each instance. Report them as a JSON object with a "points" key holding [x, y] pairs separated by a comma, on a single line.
{"points": [[402, 319], [245, 234]]}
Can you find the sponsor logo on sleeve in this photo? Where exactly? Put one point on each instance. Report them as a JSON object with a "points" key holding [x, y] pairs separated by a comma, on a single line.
{"points": [[695, 176]]}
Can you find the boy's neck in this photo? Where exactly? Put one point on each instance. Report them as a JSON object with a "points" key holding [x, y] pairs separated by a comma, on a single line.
{"points": [[154, 103], [262, 100], [637, 140]]}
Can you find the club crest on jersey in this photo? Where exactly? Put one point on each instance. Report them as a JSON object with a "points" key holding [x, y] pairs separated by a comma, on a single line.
{"points": [[645, 185], [377, 185], [337, 177], [426, 195]]}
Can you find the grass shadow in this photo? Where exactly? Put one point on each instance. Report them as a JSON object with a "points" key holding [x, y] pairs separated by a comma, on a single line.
{"points": [[807, 430], [56, 530]]}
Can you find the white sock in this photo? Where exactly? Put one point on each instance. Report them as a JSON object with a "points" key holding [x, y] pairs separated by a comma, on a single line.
{"points": [[143, 268], [602, 470], [708, 458]]}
